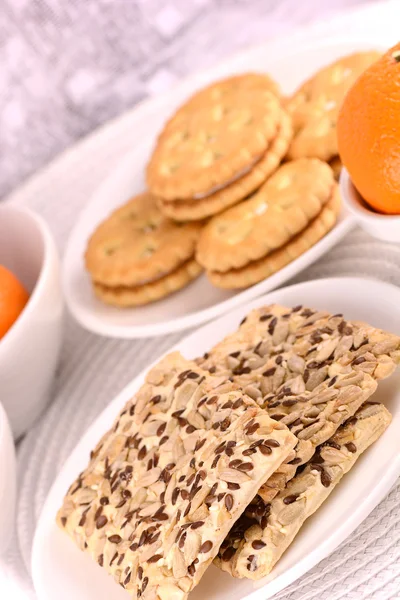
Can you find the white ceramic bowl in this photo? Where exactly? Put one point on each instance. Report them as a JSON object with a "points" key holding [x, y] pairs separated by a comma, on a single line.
{"points": [[383, 227], [8, 482], [29, 350]]}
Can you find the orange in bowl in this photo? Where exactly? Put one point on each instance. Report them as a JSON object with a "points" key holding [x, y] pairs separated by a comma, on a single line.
{"points": [[369, 133], [13, 297]]}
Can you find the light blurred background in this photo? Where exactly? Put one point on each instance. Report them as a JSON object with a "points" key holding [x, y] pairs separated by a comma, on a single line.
{"points": [[67, 66]]}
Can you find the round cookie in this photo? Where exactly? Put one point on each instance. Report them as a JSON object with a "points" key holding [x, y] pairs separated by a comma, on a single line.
{"points": [[124, 296], [284, 205], [315, 106], [138, 244], [195, 209], [262, 268], [215, 137]]}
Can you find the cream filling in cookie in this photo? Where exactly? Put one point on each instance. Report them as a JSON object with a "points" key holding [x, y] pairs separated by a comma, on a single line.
{"points": [[238, 176], [287, 202], [149, 282]]}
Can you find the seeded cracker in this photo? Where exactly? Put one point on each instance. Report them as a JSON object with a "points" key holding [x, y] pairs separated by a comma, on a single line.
{"points": [[270, 528], [308, 369], [165, 484]]}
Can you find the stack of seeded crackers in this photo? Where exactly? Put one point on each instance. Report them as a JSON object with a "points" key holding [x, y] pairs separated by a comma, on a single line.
{"points": [[241, 182], [223, 459]]}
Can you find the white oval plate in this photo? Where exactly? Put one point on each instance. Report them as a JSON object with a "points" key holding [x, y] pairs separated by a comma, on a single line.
{"points": [[62, 571], [200, 301]]}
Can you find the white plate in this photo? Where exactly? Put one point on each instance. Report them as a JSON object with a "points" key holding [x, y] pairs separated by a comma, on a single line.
{"points": [[61, 571], [200, 301]]}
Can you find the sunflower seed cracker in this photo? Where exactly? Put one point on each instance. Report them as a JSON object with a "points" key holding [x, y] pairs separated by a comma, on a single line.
{"points": [[309, 369], [263, 544], [165, 484]]}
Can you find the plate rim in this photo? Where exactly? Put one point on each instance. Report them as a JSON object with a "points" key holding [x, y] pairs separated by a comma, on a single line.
{"points": [[337, 536]]}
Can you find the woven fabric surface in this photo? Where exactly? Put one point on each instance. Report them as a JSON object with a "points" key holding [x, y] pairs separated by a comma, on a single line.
{"points": [[93, 369]]}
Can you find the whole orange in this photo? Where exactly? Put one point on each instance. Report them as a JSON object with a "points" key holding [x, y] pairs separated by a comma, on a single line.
{"points": [[369, 133], [13, 298]]}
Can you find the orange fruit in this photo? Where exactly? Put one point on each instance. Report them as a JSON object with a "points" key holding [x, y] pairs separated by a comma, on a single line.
{"points": [[13, 298], [369, 133]]}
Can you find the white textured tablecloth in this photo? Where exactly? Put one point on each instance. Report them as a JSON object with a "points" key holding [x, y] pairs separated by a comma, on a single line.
{"points": [[93, 369]]}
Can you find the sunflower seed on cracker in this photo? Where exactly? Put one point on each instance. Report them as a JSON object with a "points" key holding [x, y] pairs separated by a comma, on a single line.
{"points": [[292, 342], [156, 537], [253, 553], [317, 370]]}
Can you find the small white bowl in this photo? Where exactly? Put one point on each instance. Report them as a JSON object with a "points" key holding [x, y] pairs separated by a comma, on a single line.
{"points": [[8, 482], [383, 227], [29, 351]]}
